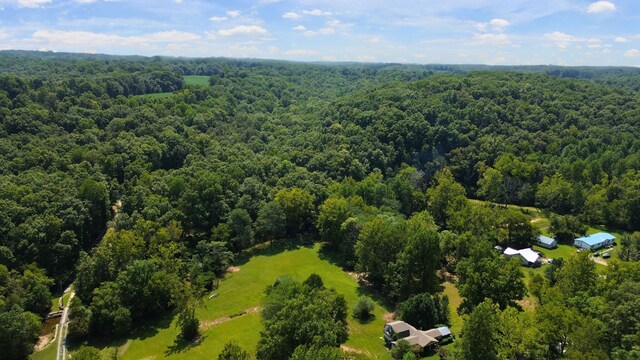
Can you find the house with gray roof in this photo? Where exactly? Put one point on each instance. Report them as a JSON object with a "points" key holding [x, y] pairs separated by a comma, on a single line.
{"points": [[399, 330]]}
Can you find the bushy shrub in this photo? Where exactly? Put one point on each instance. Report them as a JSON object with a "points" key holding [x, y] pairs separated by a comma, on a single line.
{"points": [[364, 308]]}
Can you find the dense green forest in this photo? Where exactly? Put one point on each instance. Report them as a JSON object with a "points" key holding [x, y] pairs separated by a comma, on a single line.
{"points": [[143, 202]]}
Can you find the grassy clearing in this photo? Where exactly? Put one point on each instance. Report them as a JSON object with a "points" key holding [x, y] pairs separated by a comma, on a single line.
{"points": [[54, 304], [48, 353], [529, 210], [542, 224], [562, 251], [196, 80], [454, 301], [243, 290], [188, 80]]}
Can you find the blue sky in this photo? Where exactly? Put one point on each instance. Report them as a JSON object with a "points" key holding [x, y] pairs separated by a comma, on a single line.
{"points": [[564, 32]]}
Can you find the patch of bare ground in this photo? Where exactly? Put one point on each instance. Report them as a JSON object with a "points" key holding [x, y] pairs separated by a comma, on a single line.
{"points": [[356, 276], [389, 317], [350, 349], [526, 303], [233, 269], [252, 310], [43, 341], [600, 261], [204, 325]]}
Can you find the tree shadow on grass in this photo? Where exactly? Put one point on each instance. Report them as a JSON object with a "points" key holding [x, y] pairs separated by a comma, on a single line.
{"points": [[151, 327], [274, 247], [365, 320], [147, 329], [330, 255], [365, 289], [101, 344], [180, 345]]}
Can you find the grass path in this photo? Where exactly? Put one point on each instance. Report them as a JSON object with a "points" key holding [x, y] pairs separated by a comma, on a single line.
{"points": [[244, 289]]}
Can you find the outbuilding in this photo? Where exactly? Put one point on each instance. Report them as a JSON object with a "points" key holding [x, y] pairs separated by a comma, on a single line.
{"points": [[547, 242], [594, 241], [527, 256]]}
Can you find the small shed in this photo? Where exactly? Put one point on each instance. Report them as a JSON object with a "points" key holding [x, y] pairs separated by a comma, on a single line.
{"points": [[547, 242], [594, 241]]}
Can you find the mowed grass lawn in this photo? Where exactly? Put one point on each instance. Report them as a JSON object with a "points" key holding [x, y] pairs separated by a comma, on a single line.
{"points": [[196, 80], [48, 353], [244, 290]]}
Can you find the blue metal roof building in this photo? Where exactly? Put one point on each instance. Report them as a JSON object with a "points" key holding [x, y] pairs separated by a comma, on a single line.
{"points": [[547, 242], [594, 241]]}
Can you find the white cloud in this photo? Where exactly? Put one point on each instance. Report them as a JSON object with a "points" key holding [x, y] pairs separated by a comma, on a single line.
{"points": [[301, 52], [499, 23], [32, 3], [492, 39], [374, 40], [56, 38], [233, 13], [632, 53], [322, 31], [620, 39], [291, 15], [600, 7], [218, 18], [330, 28], [560, 39], [594, 43], [171, 36], [300, 28], [243, 30], [366, 58], [3, 35], [85, 1], [329, 58], [316, 12], [494, 24]]}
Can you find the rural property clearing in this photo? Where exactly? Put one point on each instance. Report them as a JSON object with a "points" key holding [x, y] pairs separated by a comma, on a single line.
{"points": [[244, 289]]}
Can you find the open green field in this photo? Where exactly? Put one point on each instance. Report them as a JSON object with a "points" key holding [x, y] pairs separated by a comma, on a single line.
{"points": [[188, 80], [562, 251], [194, 80], [454, 301], [243, 290], [48, 353]]}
